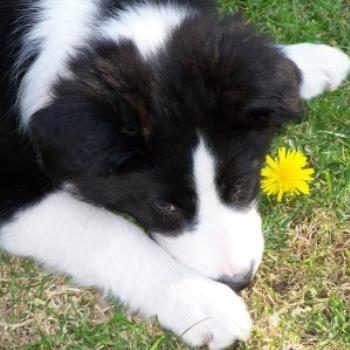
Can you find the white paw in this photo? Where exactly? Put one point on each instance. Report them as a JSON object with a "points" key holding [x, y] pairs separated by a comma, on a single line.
{"points": [[323, 67], [204, 312]]}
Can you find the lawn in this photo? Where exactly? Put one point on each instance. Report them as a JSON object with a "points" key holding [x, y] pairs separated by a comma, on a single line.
{"points": [[302, 296]]}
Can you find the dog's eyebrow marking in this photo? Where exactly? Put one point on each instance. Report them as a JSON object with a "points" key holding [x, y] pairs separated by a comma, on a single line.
{"points": [[204, 176]]}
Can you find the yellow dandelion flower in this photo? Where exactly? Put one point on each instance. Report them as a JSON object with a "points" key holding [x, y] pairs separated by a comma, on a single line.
{"points": [[286, 174]]}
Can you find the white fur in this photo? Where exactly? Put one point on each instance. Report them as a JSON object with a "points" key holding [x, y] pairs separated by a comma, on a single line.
{"points": [[98, 248], [323, 67], [62, 26], [147, 25], [226, 242]]}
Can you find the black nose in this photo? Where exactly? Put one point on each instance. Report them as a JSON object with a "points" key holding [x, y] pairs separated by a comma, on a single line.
{"points": [[238, 282]]}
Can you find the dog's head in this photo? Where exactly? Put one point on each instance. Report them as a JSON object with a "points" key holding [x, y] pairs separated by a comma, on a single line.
{"points": [[177, 139]]}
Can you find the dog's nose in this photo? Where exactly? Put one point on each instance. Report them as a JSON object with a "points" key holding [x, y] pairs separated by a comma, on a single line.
{"points": [[238, 282]]}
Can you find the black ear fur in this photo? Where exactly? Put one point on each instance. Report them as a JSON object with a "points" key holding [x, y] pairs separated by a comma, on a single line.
{"points": [[275, 96], [271, 94], [100, 119], [115, 75], [76, 139], [271, 111], [235, 73]]}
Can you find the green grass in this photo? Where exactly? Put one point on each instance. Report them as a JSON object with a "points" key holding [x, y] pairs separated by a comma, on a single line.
{"points": [[302, 296]]}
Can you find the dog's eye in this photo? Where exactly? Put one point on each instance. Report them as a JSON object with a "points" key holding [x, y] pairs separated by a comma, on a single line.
{"points": [[240, 189], [130, 129], [240, 184], [164, 208]]}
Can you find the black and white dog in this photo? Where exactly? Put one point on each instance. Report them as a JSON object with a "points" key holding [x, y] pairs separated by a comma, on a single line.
{"points": [[158, 109]]}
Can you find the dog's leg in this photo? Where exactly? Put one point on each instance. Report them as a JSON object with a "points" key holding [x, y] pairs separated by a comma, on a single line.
{"points": [[323, 67], [98, 248]]}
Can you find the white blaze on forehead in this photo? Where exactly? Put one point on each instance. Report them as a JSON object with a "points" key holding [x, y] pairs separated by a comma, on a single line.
{"points": [[226, 241], [204, 177], [204, 173], [148, 25]]}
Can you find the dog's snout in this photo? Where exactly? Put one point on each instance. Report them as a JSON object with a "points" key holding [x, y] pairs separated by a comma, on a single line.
{"points": [[238, 282]]}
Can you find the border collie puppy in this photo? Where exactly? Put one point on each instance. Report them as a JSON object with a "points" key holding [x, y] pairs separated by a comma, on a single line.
{"points": [[161, 110]]}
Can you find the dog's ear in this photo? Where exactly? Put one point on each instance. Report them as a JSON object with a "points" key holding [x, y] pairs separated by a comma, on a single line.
{"points": [[235, 73], [266, 92], [116, 76], [99, 119]]}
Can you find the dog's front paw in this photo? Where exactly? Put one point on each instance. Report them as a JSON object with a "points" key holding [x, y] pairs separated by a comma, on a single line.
{"points": [[204, 312], [323, 67]]}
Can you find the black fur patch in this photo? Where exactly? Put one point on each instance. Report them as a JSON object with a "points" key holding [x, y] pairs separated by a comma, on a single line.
{"points": [[22, 181], [124, 129]]}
